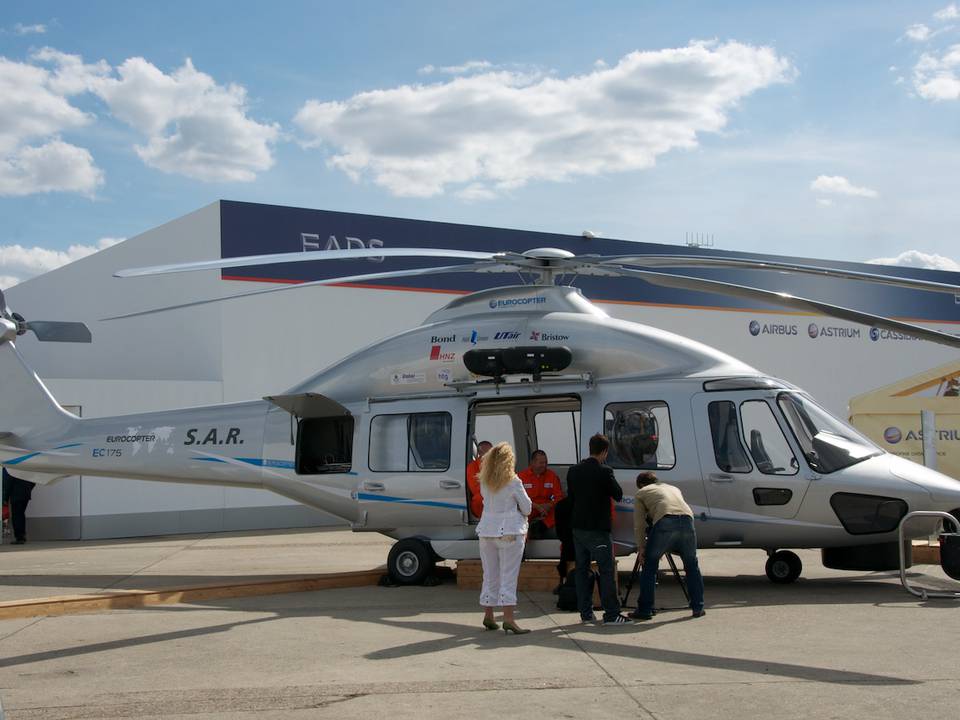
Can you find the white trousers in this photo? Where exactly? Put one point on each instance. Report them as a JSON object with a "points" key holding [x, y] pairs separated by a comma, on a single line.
{"points": [[501, 559]]}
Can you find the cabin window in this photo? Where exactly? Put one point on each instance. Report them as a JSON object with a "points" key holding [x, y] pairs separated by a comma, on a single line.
{"points": [[558, 435], [867, 514], [772, 496], [640, 435], [493, 428], [728, 449], [765, 440], [418, 442], [324, 445]]}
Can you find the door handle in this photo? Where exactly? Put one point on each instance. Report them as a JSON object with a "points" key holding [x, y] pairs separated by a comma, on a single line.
{"points": [[720, 477], [450, 484], [379, 486]]}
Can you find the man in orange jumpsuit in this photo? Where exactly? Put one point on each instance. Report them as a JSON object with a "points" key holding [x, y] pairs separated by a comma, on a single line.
{"points": [[543, 486], [473, 479]]}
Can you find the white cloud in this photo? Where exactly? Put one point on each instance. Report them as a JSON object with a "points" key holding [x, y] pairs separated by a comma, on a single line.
{"points": [[37, 29], [938, 77], [18, 263], [950, 12], [470, 66], [839, 185], [476, 191], [824, 202], [34, 112], [915, 258], [501, 129], [918, 32]]}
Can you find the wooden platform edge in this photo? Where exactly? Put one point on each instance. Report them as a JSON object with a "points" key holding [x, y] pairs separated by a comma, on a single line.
{"points": [[127, 599]]}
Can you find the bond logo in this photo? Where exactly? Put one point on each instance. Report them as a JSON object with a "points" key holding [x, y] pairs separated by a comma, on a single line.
{"points": [[754, 328], [443, 338], [813, 330], [892, 435]]}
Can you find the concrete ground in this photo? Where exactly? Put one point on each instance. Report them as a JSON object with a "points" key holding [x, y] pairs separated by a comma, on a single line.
{"points": [[832, 645]]}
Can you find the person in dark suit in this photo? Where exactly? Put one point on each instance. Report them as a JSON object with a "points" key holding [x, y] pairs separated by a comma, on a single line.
{"points": [[17, 492], [591, 486]]}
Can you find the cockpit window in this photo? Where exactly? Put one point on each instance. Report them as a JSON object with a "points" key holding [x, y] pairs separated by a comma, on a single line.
{"points": [[768, 447], [827, 443]]}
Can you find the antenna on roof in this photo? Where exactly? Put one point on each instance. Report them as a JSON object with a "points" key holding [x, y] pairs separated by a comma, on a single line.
{"points": [[698, 240]]}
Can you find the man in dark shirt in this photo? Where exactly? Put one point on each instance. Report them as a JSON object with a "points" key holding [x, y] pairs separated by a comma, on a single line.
{"points": [[17, 492], [591, 486]]}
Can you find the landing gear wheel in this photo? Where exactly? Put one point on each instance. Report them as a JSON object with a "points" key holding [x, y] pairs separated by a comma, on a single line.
{"points": [[783, 567], [410, 561]]}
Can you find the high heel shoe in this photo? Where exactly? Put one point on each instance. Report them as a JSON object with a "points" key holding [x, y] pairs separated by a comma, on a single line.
{"points": [[490, 624], [511, 627]]}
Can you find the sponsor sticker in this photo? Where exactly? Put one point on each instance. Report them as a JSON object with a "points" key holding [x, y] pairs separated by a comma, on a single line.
{"points": [[444, 375], [408, 378], [757, 328], [517, 302]]}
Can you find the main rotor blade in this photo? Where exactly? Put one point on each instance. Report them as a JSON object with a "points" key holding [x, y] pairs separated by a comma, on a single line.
{"points": [[469, 267], [694, 261], [308, 256], [3, 305], [683, 282], [57, 331]]}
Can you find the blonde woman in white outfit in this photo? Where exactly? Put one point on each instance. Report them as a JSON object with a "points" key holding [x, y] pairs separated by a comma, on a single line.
{"points": [[502, 531]]}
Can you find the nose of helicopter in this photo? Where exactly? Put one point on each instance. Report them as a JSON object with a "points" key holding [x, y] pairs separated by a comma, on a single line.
{"points": [[944, 490]]}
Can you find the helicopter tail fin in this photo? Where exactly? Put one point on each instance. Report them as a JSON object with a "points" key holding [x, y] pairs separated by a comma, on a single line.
{"points": [[26, 406]]}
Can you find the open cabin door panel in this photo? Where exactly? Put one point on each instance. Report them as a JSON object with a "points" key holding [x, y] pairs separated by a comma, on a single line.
{"points": [[416, 463], [749, 466]]}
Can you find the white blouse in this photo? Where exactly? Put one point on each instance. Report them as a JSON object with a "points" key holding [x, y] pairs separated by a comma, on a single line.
{"points": [[504, 511]]}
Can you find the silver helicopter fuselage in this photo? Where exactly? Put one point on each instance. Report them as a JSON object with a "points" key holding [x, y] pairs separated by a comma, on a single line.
{"points": [[789, 502]]}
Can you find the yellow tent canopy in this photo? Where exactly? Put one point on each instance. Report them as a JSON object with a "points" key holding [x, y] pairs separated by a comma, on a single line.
{"points": [[890, 416]]}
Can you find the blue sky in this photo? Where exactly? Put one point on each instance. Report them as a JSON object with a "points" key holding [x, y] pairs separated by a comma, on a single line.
{"points": [[819, 129]]}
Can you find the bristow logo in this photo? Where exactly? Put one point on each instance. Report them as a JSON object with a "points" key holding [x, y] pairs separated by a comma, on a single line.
{"points": [[443, 338], [813, 330], [506, 335], [892, 435], [538, 336], [754, 327], [514, 302]]}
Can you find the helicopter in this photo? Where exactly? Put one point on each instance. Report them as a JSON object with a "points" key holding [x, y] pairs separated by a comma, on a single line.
{"points": [[381, 439]]}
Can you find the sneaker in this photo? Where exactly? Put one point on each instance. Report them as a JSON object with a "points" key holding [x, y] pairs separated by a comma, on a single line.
{"points": [[588, 619], [637, 615], [699, 613], [618, 620]]}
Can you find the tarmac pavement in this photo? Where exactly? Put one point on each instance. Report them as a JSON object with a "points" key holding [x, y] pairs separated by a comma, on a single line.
{"points": [[832, 645]]}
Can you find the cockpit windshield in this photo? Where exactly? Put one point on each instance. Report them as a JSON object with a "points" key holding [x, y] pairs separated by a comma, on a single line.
{"points": [[827, 443]]}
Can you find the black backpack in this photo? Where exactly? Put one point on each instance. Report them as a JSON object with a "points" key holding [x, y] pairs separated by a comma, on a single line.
{"points": [[567, 597]]}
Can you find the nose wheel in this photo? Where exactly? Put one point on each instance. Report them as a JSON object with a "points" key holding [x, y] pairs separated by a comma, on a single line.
{"points": [[783, 567]]}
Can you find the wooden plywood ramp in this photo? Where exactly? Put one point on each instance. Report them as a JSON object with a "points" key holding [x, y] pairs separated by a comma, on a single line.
{"points": [[127, 599]]}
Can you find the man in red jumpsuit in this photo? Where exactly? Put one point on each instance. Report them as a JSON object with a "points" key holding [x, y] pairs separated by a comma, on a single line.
{"points": [[543, 486], [473, 479]]}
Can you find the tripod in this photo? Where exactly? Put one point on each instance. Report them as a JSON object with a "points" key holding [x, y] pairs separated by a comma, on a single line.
{"points": [[636, 570]]}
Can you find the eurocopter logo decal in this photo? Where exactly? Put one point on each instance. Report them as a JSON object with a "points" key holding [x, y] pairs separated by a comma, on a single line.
{"points": [[756, 328], [514, 302]]}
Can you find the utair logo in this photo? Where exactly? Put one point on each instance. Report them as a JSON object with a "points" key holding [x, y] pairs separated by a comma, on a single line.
{"points": [[515, 302], [506, 335]]}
